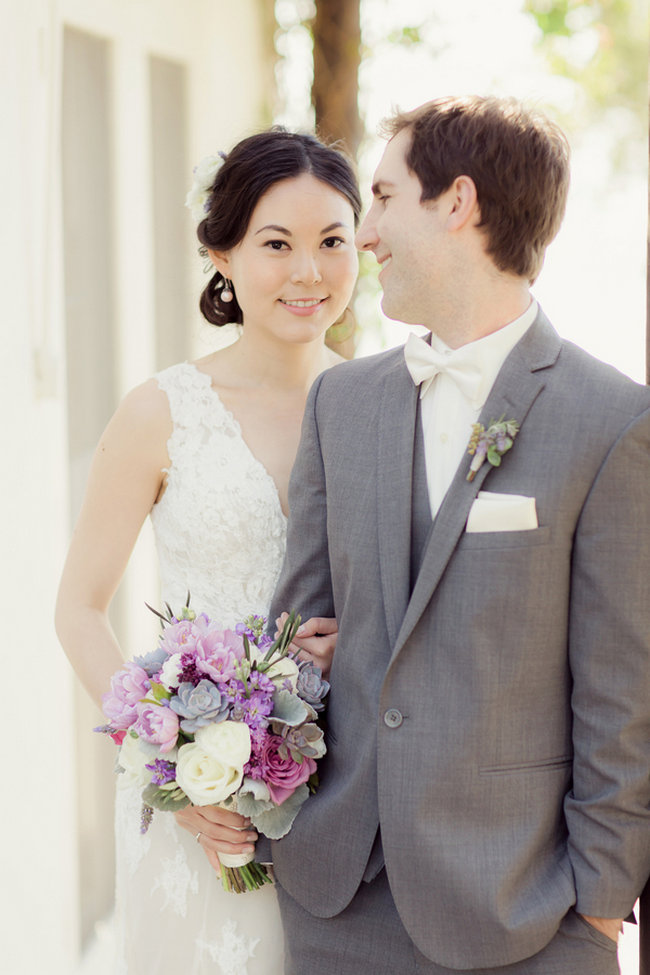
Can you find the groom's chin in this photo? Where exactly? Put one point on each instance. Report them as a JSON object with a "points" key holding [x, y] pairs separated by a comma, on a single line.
{"points": [[398, 312]]}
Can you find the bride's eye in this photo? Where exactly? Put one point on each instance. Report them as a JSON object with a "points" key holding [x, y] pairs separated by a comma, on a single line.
{"points": [[331, 242], [276, 245]]}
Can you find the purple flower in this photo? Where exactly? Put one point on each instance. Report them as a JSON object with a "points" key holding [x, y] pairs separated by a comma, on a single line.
{"points": [[258, 681], [310, 685], [280, 770], [163, 771], [189, 673], [199, 705], [157, 724], [255, 765], [255, 709], [253, 627], [128, 687], [232, 689]]}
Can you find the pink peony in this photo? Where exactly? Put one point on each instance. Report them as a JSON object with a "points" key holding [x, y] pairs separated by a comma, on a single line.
{"points": [[128, 686], [158, 725], [216, 651], [283, 775]]}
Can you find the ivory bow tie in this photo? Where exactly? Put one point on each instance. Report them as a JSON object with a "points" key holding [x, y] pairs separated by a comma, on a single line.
{"points": [[424, 364]]}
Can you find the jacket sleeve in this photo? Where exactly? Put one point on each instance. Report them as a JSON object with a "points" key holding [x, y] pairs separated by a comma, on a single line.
{"points": [[305, 583], [608, 810]]}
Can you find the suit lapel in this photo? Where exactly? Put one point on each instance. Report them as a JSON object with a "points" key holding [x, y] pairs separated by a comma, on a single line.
{"points": [[516, 388], [394, 487]]}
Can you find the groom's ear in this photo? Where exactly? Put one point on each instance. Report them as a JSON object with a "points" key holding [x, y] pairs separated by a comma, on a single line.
{"points": [[221, 261], [464, 209]]}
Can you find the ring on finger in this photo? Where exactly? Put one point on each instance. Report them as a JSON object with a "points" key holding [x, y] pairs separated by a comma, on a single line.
{"points": [[198, 836]]}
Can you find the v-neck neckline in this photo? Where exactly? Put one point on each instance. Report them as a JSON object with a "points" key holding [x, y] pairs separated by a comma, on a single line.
{"points": [[236, 425]]}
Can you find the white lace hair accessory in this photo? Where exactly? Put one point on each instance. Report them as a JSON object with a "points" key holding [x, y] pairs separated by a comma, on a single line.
{"points": [[198, 198]]}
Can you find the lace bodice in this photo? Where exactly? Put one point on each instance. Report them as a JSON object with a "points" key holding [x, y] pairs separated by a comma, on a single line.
{"points": [[220, 530]]}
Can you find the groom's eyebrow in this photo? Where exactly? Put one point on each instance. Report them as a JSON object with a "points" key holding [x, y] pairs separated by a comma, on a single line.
{"points": [[380, 185]]}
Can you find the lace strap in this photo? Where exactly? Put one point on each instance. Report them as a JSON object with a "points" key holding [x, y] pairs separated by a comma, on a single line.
{"points": [[189, 393]]}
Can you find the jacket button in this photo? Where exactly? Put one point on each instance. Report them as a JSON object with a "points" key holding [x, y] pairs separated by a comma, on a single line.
{"points": [[393, 718]]}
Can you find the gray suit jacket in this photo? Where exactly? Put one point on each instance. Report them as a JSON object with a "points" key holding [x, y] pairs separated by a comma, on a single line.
{"points": [[494, 720]]}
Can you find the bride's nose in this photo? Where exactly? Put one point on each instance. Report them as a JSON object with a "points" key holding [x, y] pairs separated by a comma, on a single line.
{"points": [[306, 269]]}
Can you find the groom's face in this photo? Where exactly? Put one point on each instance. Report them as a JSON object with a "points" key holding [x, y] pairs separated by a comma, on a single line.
{"points": [[408, 237]]}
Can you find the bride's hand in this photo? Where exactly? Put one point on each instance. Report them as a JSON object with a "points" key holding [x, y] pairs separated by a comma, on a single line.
{"points": [[218, 831], [314, 640]]}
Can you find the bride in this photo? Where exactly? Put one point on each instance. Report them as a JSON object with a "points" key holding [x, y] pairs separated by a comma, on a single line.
{"points": [[206, 449]]}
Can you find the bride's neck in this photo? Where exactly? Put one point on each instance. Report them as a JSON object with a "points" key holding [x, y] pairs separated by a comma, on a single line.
{"points": [[291, 366]]}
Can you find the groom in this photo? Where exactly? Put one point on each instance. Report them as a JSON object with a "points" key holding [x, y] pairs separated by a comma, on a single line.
{"points": [[484, 801]]}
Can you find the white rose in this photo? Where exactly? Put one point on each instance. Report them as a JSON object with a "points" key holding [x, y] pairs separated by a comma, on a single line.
{"points": [[206, 170], [203, 778], [199, 194], [170, 671], [284, 669], [227, 741], [133, 756], [212, 767]]}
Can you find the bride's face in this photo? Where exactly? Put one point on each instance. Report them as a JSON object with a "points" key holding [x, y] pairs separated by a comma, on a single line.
{"points": [[295, 268]]}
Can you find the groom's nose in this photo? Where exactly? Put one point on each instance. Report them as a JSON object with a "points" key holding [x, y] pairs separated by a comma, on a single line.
{"points": [[367, 236]]}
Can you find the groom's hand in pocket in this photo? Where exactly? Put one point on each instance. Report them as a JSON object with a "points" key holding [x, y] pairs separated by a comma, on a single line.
{"points": [[217, 830], [314, 640]]}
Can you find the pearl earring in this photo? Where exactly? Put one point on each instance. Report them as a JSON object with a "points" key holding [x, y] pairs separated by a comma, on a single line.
{"points": [[227, 292]]}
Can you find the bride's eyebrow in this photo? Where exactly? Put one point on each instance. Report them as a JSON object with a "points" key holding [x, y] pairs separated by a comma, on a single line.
{"points": [[273, 226], [283, 230]]}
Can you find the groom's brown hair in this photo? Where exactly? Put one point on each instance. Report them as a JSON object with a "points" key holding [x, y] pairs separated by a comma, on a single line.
{"points": [[518, 160]]}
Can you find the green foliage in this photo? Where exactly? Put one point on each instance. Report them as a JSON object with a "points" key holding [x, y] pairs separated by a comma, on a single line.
{"points": [[406, 36], [602, 45], [551, 17], [167, 800]]}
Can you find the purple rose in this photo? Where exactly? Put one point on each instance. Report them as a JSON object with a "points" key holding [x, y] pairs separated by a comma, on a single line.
{"points": [[158, 725], [128, 687], [280, 771]]}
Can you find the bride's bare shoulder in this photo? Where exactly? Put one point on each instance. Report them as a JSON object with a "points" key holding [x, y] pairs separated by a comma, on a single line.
{"points": [[142, 419]]}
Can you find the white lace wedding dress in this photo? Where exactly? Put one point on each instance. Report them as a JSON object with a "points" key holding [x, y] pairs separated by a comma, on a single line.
{"points": [[220, 532]]}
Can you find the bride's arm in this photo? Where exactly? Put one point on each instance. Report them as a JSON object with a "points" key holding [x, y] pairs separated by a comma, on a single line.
{"points": [[125, 479]]}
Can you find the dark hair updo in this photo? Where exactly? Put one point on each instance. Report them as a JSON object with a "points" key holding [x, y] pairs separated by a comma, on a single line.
{"points": [[249, 170]]}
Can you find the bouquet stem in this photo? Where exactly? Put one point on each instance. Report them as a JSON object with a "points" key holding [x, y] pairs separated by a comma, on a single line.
{"points": [[251, 876]]}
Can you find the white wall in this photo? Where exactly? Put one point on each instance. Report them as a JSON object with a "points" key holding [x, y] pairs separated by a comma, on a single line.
{"points": [[223, 47]]}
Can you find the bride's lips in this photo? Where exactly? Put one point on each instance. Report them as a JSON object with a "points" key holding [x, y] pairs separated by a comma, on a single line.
{"points": [[303, 306]]}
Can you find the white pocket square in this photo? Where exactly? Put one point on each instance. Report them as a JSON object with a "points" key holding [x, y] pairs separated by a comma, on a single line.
{"points": [[502, 513]]}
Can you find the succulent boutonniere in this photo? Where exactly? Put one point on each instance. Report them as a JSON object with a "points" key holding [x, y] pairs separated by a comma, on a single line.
{"points": [[491, 443]]}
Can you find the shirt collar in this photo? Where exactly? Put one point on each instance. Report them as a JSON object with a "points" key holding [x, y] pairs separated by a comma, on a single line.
{"points": [[490, 352]]}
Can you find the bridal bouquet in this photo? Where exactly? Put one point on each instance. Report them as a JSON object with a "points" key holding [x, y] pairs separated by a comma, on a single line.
{"points": [[220, 717]]}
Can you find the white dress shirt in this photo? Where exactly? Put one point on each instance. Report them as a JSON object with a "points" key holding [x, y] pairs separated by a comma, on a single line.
{"points": [[447, 414]]}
